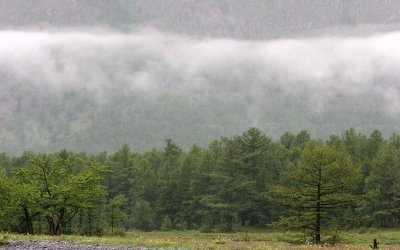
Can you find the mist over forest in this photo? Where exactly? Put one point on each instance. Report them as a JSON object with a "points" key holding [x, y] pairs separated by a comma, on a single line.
{"points": [[93, 75], [217, 124]]}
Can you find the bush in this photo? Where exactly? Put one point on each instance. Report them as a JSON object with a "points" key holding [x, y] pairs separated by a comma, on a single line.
{"points": [[4, 240], [362, 230], [118, 232], [206, 228], [166, 224], [332, 237], [182, 226], [373, 230]]}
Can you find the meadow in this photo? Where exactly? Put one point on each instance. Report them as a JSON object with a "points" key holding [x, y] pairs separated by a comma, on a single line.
{"points": [[257, 239]]}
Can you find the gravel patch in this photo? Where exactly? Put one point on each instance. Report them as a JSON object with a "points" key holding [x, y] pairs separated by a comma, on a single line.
{"points": [[65, 245]]}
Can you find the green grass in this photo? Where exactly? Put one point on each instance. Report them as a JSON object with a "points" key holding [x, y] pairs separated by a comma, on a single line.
{"points": [[259, 239], [4, 240]]}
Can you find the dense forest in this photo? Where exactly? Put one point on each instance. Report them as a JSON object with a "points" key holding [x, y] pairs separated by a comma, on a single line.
{"points": [[248, 180]]}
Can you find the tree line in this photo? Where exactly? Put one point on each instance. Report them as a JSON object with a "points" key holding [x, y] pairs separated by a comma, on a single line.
{"points": [[248, 180]]}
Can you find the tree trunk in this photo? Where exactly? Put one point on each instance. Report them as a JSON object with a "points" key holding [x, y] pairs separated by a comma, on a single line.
{"points": [[52, 228], [173, 223], [90, 221], [28, 219], [318, 211], [112, 223], [229, 223], [60, 222], [318, 224], [254, 221], [58, 229], [80, 222], [242, 220]]}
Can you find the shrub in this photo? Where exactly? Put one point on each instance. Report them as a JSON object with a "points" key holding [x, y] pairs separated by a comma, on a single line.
{"points": [[206, 228], [166, 224], [362, 230], [373, 230], [119, 232], [4, 240]]}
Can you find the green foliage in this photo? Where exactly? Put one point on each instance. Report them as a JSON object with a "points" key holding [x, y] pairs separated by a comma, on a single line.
{"points": [[206, 228], [118, 232], [333, 236], [218, 188], [143, 216], [115, 212], [90, 222], [53, 189], [317, 189], [384, 178], [4, 240], [166, 224], [362, 230]]}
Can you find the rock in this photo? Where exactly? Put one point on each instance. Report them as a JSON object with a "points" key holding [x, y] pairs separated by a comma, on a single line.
{"points": [[65, 245]]}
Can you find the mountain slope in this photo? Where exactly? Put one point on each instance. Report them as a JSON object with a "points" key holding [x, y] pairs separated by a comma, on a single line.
{"points": [[95, 91], [88, 76]]}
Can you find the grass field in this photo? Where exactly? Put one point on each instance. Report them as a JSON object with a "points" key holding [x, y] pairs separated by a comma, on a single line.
{"points": [[259, 239]]}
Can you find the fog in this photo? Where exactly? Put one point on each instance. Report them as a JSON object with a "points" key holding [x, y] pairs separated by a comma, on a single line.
{"points": [[314, 76], [317, 69]]}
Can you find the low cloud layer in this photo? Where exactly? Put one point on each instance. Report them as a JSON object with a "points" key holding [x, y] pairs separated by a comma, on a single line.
{"points": [[318, 70]]}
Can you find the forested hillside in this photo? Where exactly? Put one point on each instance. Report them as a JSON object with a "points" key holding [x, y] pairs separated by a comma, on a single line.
{"points": [[93, 91], [91, 75], [234, 182]]}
